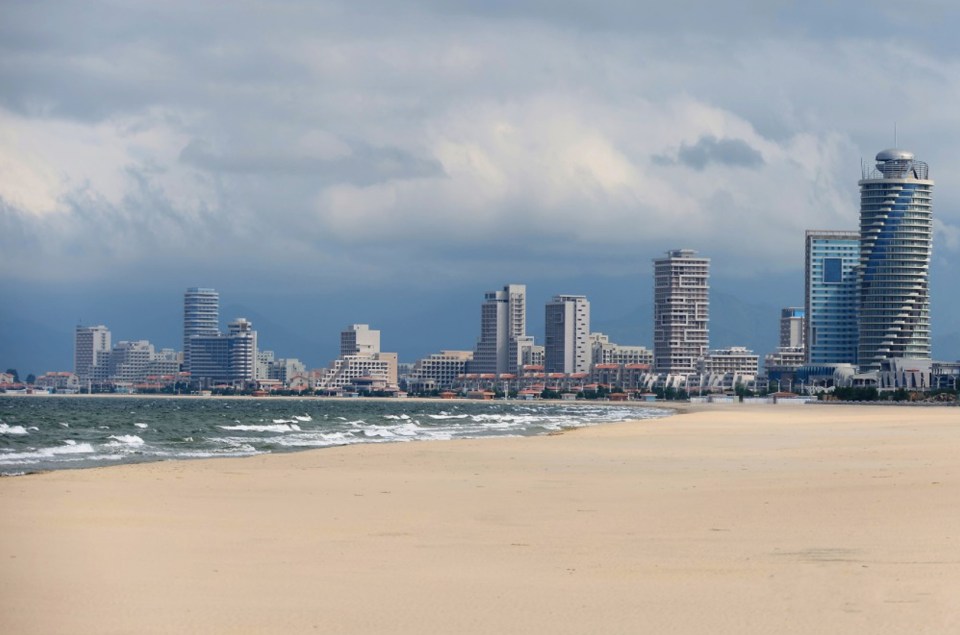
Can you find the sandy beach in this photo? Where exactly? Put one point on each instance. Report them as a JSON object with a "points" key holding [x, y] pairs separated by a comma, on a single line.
{"points": [[727, 519]]}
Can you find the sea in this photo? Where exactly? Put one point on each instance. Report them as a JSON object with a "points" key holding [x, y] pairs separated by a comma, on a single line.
{"points": [[60, 432]]}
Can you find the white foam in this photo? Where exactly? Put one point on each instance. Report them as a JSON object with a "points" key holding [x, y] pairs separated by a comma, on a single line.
{"points": [[70, 447], [8, 429], [303, 417], [65, 425], [141, 425], [284, 420], [285, 427], [125, 439], [407, 430], [378, 432], [447, 416]]}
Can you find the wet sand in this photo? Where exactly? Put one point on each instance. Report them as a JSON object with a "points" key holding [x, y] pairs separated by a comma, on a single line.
{"points": [[726, 519]]}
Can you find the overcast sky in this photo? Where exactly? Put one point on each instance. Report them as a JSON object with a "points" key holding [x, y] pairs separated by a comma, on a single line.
{"points": [[355, 142]]}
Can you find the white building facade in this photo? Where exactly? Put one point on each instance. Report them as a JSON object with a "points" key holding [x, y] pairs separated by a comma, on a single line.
{"points": [[567, 334], [681, 333], [91, 349], [503, 325], [201, 317]]}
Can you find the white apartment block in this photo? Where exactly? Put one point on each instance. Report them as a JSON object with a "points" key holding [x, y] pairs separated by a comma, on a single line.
{"points": [[503, 327], [567, 334], [345, 370], [784, 359], [129, 361], [201, 316], [531, 354], [91, 347], [603, 351], [264, 359], [737, 360], [438, 370], [681, 311]]}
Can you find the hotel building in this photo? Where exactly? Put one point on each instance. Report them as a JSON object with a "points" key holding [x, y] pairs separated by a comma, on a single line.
{"points": [[896, 229]]}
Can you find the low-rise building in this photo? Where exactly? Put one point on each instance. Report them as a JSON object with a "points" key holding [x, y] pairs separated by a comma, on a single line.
{"points": [[60, 382], [736, 359], [438, 370]]}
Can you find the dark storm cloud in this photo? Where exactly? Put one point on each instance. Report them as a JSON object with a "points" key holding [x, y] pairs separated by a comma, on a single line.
{"points": [[708, 149]]}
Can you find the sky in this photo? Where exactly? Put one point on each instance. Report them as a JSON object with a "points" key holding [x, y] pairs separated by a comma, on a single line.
{"points": [[323, 163]]}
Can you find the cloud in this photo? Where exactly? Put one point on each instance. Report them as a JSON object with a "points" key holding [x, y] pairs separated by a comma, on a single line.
{"points": [[709, 149], [465, 138]]}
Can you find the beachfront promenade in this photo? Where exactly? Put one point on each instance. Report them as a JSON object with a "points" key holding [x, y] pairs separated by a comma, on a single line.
{"points": [[727, 519]]}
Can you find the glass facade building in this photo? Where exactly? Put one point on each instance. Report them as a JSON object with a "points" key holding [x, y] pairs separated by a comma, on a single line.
{"points": [[830, 306], [896, 229]]}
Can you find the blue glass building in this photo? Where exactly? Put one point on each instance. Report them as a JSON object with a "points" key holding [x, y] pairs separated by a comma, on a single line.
{"points": [[830, 305], [896, 228]]}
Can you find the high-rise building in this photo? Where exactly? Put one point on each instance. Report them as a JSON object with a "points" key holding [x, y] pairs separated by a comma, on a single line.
{"points": [[359, 339], [201, 316], [503, 324], [681, 312], [567, 335], [91, 349], [792, 327], [896, 229], [225, 358], [830, 304]]}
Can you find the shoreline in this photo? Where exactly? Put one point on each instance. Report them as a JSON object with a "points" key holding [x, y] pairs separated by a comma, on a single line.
{"points": [[733, 519]]}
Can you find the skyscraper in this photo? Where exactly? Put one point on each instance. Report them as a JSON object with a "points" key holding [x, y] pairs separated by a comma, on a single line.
{"points": [[567, 335], [225, 358], [503, 323], [201, 316], [792, 327], [91, 348], [830, 302], [681, 312], [896, 227]]}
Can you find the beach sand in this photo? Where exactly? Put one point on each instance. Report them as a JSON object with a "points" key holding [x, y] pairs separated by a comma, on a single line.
{"points": [[729, 519]]}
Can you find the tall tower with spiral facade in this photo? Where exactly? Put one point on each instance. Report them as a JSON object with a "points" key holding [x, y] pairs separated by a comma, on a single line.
{"points": [[896, 231]]}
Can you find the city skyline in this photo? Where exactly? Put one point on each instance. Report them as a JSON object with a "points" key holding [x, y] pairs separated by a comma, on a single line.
{"points": [[393, 158]]}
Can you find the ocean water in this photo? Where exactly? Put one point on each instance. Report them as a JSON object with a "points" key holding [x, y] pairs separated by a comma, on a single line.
{"points": [[48, 433]]}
